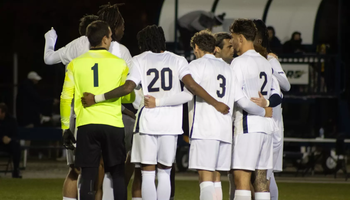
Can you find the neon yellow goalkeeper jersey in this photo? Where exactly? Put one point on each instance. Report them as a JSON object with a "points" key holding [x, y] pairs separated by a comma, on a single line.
{"points": [[97, 72]]}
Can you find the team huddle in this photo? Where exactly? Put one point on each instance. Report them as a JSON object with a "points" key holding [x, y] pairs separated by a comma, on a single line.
{"points": [[234, 108]]}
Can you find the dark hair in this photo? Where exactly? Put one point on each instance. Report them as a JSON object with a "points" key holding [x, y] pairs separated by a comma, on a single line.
{"points": [[245, 27], [220, 37], [262, 34], [271, 28], [151, 38], [110, 14], [3, 107], [96, 31], [204, 40], [85, 21], [295, 33]]}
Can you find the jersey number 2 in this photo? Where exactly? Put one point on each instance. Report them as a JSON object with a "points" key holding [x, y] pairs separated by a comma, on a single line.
{"points": [[263, 74], [222, 85], [162, 78], [95, 69]]}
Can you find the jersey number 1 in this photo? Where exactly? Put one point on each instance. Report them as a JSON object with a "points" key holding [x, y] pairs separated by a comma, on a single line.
{"points": [[95, 69]]}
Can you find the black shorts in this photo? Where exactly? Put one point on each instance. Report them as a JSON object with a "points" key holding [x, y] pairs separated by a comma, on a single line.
{"points": [[94, 139]]}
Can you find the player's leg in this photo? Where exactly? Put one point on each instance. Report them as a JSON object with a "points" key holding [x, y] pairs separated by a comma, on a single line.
{"points": [[129, 168], [232, 186], [69, 190], [223, 164], [245, 157], [136, 185], [204, 160], [128, 127], [148, 151], [172, 181], [136, 158], [166, 152], [261, 185]]}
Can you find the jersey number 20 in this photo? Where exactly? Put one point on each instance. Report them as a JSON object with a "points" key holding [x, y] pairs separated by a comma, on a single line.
{"points": [[165, 87]]}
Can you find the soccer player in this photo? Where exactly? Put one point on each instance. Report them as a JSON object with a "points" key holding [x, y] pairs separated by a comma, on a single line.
{"points": [[100, 128], [110, 14], [159, 72], [262, 39], [253, 143], [223, 47]]}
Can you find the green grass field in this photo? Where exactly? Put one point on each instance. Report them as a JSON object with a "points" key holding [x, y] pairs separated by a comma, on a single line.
{"points": [[50, 189]]}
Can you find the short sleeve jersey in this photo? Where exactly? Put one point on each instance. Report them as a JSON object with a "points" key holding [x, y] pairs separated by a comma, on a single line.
{"points": [[253, 73], [160, 75], [216, 77]]}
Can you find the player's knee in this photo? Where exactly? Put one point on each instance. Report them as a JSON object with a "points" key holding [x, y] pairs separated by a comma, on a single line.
{"points": [[73, 172]]}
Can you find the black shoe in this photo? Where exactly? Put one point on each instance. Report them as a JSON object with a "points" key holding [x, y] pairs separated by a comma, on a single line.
{"points": [[16, 174]]}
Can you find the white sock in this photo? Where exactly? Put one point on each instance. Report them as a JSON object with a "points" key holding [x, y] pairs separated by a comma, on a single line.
{"points": [[163, 187], [207, 191], [67, 198], [262, 195], [231, 186], [243, 195], [79, 185], [273, 188], [148, 187], [218, 190], [136, 198], [107, 187]]}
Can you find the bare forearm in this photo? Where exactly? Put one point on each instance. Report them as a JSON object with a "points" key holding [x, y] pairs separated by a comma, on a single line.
{"points": [[123, 90], [196, 89]]}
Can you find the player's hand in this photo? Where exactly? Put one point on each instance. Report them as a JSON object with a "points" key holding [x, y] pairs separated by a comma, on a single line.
{"points": [[261, 101], [6, 139], [273, 55], [88, 99], [68, 139], [268, 112], [51, 34], [150, 102], [221, 107]]}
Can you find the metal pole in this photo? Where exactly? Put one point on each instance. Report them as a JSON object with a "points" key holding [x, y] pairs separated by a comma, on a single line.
{"points": [[267, 7], [215, 4], [175, 29], [15, 81]]}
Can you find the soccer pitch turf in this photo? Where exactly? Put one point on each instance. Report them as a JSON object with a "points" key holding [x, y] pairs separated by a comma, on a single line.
{"points": [[44, 189]]}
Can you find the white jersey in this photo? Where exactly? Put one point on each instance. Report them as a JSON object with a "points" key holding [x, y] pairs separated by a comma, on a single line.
{"points": [[252, 73], [159, 75], [81, 45], [216, 77]]}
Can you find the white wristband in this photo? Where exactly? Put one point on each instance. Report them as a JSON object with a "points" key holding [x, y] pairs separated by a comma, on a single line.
{"points": [[268, 103], [99, 98]]}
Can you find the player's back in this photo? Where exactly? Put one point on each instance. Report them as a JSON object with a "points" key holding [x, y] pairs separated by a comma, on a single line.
{"points": [[160, 74], [216, 77], [254, 72], [98, 72]]}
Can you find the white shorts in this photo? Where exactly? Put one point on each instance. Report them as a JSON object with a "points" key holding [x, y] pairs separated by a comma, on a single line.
{"points": [[211, 155], [153, 149], [252, 151]]}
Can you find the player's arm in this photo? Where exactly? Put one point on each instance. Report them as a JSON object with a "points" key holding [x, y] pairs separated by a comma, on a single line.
{"points": [[174, 100], [280, 75], [275, 98], [50, 56]]}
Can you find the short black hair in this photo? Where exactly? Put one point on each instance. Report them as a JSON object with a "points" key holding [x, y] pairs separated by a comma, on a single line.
{"points": [[151, 38], [96, 31], [262, 34], [204, 40], [3, 107], [220, 37], [110, 14], [271, 28], [245, 27], [85, 21]]}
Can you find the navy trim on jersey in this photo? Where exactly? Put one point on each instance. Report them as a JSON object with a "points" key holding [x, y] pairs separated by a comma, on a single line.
{"points": [[194, 114], [137, 129], [245, 122]]}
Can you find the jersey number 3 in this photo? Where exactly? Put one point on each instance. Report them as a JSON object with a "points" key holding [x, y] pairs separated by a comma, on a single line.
{"points": [[222, 85], [154, 71], [95, 69]]}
